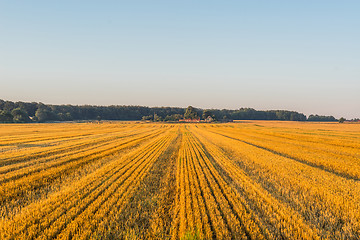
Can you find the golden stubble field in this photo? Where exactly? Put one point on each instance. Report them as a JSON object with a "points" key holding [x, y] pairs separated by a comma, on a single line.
{"points": [[123, 180]]}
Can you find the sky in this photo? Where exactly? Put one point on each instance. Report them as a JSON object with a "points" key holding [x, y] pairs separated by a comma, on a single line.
{"points": [[293, 55]]}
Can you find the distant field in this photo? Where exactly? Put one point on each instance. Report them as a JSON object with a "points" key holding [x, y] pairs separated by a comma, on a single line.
{"points": [[123, 180]]}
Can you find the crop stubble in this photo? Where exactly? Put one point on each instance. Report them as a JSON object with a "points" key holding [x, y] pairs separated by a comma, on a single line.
{"points": [[245, 180]]}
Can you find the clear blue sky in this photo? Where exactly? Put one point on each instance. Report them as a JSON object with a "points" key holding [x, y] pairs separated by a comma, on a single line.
{"points": [[294, 55]]}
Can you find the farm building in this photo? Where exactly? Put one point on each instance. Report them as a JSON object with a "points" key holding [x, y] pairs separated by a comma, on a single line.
{"points": [[190, 120]]}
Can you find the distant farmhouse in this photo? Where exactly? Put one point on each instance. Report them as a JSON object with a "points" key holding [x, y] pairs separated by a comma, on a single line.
{"points": [[196, 120], [209, 119], [190, 120]]}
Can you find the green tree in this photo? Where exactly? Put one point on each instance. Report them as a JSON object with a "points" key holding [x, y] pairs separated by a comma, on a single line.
{"points": [[42, 114], [157, 118], [190, 113], [206, 114], [147, 118], [68, 117], [341, 120], [173, 117], [5, 116], [20, 115]]}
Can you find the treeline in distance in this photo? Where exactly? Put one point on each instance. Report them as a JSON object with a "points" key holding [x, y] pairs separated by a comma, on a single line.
{"points": [[23, 112]]}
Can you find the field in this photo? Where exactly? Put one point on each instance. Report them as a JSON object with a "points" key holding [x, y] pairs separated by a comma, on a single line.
{"points": [[124, 180]]}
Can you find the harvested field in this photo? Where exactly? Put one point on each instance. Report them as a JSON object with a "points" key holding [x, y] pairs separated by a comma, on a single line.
{"points": [[125, 180]]}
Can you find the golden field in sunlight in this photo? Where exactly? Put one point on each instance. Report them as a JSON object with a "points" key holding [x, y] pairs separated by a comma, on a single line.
{"points": [[127, 180]]}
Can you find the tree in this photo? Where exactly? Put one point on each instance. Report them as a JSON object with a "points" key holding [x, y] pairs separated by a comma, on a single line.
{"points": [[147, 118], [157, 118], [173, 117], [190, 113], [317, 118], [341, 120], [20, 115], [206, 114], [8, 106], [6, 116], [42, 114], [68, 116]]}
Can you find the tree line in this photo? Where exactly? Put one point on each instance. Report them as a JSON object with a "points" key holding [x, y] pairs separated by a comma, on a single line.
{"points": [[24, 112]]}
